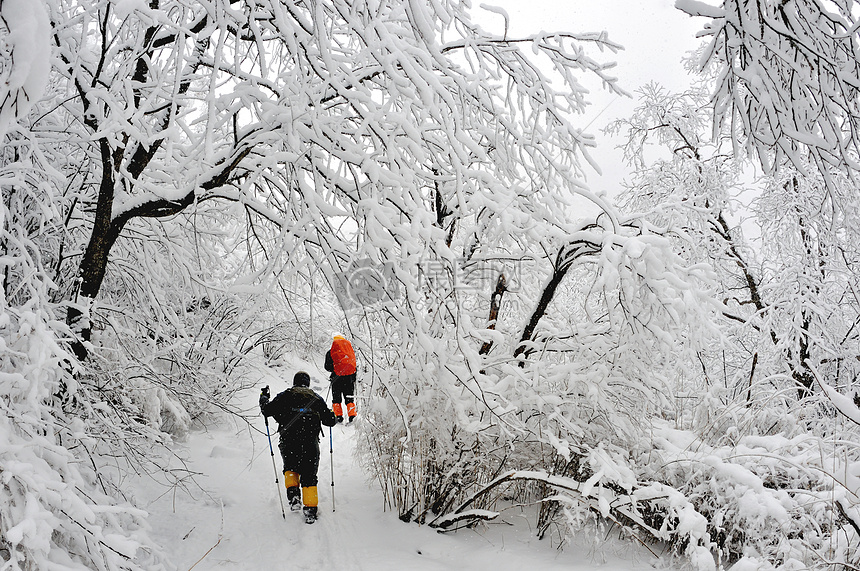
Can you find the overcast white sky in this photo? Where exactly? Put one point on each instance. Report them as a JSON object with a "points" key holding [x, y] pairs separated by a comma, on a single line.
{"points": [[655, 36]]}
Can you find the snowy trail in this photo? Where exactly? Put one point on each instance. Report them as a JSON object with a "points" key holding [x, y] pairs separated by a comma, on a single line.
{"points": [[227, 517]]}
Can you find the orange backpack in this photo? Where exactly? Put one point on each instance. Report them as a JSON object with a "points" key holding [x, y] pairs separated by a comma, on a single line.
{"points": [[342, 357]]}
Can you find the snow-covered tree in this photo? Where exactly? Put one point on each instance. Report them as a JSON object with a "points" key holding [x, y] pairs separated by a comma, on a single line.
{"points": [[786, 79], [193, 153], [786, 93], [788, 331], [188, 174]]}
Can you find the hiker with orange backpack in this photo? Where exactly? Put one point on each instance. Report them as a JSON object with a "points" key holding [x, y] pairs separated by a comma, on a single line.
{"points": [[340, 362]]}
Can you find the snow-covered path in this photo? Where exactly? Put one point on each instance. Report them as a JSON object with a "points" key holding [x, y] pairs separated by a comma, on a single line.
{"points": [[227, 517]]}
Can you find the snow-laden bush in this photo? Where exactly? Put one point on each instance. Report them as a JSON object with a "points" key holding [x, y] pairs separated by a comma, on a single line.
{"points": [[755, 443], [58, 507], [176, 374], [451, 430], [777, 485]]}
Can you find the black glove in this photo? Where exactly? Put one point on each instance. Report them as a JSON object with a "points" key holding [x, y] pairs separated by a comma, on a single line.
{"points": [[264, 397]]}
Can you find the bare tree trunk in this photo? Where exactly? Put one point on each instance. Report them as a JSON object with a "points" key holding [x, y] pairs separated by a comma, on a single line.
{"points": [[495, 305], [106, 231], [752, 374], [566, 256], [544, 301], [94, 262]]}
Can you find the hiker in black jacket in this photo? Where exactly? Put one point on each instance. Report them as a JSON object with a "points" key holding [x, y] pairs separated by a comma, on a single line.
{"points": [[299, 412]]}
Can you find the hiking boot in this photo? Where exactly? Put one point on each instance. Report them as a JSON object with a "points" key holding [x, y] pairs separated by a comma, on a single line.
{"points": [[294, 499], [310, 514], [339, 418]]}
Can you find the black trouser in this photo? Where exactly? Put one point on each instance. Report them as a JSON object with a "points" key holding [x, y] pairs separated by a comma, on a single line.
{"points": [[343, 388], [301, 456]]}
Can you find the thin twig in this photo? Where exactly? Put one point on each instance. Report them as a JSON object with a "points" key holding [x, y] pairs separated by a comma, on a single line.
{"points": [[220, 537]]}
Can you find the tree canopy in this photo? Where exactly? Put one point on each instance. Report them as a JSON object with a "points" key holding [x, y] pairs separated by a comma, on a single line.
{"points": [[189, 184]]}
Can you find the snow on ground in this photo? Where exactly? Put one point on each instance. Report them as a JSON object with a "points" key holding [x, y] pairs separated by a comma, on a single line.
{"points": [[228, 517]]}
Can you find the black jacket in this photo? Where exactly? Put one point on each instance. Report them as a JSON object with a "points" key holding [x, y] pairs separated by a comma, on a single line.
{"points": [[299, 412]]}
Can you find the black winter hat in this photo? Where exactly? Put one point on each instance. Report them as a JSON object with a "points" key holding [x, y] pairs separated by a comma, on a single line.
{"points": [[302, 379]]}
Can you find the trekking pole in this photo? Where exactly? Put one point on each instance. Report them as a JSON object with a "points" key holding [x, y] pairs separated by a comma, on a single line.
{"points": [[331, 451], [277, 483]]}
